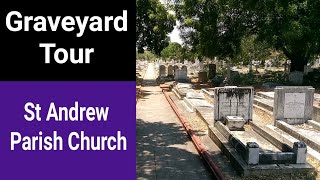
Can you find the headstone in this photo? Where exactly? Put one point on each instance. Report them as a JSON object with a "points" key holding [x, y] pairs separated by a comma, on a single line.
{"points": [[233, 101], [202, 77], [293, 104], [175, 69], [212, 71], [184, 68], [181, 74], [201, 65], [162, 71], [170, 70], [296, 77]]}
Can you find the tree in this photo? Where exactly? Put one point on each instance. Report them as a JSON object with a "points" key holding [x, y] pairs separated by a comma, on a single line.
{"points": [[173, 51], [198, 25], [153, 23], [289, 26], [251, 49], [216, 28], [146, 55]]}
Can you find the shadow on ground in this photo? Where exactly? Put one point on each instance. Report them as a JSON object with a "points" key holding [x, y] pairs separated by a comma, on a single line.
{"points": [[162, 153]]}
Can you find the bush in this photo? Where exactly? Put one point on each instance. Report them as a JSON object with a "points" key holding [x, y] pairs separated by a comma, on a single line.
{"points": [[217, 80]]}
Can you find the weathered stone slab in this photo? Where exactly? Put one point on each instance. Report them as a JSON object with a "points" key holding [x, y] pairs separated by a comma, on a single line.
{"points": [[194, 95], [235, 123], [233, 101], [251, 170], [293, 104], [184, 85], [162, 71], [192, 104], [170, 70]]}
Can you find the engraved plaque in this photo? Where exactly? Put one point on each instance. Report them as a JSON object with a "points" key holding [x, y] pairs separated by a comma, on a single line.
{"points": [[294, 104], [234, 106]]}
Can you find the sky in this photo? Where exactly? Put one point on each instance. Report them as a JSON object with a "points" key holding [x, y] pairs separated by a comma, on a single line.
{"points": [[174, 35]]}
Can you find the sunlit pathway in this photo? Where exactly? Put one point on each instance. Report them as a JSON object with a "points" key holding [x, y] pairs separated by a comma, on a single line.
{"points": [[164, 150]]}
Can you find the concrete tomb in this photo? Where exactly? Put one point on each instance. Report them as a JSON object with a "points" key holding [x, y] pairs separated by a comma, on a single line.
{"points": [[293, 104], [233, 101]]}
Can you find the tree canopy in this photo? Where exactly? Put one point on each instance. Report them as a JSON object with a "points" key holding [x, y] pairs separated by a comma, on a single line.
{"points": [[290, 26], [153, 23], [172, 51], [219, 28], [177, 52]]}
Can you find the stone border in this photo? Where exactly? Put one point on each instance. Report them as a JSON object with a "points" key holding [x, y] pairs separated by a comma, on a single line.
{"points": [[289, 140], [176, 93], [207, 92], [286, 157], [188, 104], [272, 139], [314, 124], [246, 170], [291, 130]]}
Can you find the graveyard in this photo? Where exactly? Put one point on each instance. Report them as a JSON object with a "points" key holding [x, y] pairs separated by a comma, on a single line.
{"points": [[265, 131]]}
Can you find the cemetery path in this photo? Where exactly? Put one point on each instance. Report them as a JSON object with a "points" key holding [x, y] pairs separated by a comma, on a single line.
{"points": [[164, 150], [150, 75]]}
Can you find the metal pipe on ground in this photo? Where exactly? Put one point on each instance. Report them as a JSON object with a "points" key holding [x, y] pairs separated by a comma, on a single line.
{"points": [[196, 140]]}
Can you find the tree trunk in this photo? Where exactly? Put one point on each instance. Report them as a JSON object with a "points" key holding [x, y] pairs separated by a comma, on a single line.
{"points": [[297, 60], [297, 64]]}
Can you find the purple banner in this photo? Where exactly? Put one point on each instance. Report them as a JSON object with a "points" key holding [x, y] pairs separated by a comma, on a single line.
{"points": [[67, 130]]}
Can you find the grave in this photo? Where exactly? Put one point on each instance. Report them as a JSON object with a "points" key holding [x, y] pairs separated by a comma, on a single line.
{"points": [[202, 77], [193, 100], [233, 101], [293, 104], [175, 68], [246, 145], [181, 89], [293, 117], [251, 152], [162, 71], [170, 70], [181, 75]]}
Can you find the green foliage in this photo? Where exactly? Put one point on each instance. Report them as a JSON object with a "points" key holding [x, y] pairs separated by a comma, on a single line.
{"points": [[290, 26], [177, 52], [225, 28], [153, 23], [146, 55], [173, 51], [198, 25], [251, 49]]}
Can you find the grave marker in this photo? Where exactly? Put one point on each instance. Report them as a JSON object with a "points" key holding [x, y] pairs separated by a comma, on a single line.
{"points": [[162, 71], [233, 101], [170, 70], [293, 104]]}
